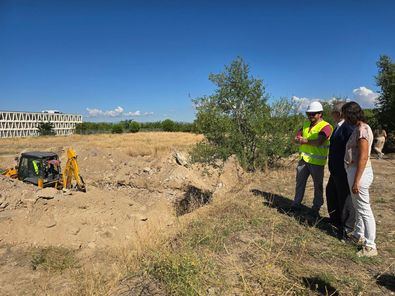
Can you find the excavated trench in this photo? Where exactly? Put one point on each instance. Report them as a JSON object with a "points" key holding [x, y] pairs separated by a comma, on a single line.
{"points": [[192, 199]]}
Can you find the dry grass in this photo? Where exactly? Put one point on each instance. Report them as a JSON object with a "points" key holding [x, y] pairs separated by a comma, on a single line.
{"points": [[144, 143], [153, 144]]}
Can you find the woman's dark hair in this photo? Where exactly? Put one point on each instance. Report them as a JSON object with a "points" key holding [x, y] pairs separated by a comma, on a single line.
{"points": [[353, 112]]}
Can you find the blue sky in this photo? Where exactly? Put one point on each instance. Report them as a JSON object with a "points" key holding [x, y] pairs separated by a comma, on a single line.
{"points": [[145, 60]]}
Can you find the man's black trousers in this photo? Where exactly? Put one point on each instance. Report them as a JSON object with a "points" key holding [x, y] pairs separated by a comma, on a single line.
{"points": [[341, 211]]}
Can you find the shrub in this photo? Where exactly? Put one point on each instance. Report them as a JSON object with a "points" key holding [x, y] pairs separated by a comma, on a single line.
{"points": [[134, 127], [168, 125], [117, 129], [46, 129]]}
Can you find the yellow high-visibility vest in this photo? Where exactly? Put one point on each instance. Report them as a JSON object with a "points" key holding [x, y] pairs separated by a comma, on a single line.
{"points": [[35, 166], [314, 154]]}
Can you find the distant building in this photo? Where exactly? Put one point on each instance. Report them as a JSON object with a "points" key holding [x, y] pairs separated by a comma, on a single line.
{"points": [[51, 111], [24, 124]]}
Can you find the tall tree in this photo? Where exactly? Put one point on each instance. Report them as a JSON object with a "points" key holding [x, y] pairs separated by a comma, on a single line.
{"points": [[386, 101], [237, 119]]}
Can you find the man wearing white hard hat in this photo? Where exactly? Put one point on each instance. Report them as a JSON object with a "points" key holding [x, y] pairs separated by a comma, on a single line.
{"points": [[313, 138]]}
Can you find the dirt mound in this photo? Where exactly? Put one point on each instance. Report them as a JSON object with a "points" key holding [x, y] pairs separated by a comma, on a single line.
{"points": [[15, 194], [125, 194]]}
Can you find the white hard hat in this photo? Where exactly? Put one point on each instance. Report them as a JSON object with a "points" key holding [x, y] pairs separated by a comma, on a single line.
{"points": [[315, 107]]}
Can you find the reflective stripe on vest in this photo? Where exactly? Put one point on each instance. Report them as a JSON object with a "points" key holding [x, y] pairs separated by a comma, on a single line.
{"points": [[314, 154], [35, 166]]}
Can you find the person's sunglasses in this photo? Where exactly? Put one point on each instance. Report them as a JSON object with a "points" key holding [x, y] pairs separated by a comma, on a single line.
{"points": [[312, 113]]}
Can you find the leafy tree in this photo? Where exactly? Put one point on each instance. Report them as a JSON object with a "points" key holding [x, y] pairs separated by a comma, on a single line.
{"points": [[134, 127], [327, 113], [386, 101], [93, 127], [130, 126], [117, 128], [371, 118], [46, 129], [236, 119], [81, 128], [151, 126], [168, 125]]}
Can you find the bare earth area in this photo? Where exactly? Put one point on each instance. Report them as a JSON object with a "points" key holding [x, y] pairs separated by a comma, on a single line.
{"points": [[140, 192]]}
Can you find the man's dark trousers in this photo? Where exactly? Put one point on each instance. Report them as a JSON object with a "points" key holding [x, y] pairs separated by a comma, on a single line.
{"points": [[341, 210], [337, 192]]}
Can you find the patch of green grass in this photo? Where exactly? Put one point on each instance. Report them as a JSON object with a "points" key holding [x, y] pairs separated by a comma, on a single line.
{"points": [[367, 260], [257, 221], [356, 285], [221, 223], [381, 200], [334, 249], [181, 273], [53, 259]]}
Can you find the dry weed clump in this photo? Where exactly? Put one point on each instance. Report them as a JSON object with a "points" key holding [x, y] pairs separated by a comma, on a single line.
{"points": [[53, 259]]}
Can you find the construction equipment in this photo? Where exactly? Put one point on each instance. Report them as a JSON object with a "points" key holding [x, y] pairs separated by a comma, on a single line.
{"points": [[43, 169]]}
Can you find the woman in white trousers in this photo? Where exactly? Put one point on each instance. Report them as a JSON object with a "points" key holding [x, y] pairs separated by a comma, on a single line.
{"points": [[360, 177]]}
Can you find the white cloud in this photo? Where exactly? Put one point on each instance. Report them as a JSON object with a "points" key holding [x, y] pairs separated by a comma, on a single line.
{"points": [[94, 112], [365, 96], [136, 113], [362, 95], [114, 113], [302, 103], [117, 112]]}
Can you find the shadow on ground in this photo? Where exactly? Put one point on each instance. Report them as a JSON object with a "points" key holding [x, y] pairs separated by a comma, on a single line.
{"points": [[303, 215], [320, 286], [386, 280]]}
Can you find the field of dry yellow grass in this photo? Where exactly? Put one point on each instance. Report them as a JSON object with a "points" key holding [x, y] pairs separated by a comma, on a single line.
{"points": [[143, 143]]}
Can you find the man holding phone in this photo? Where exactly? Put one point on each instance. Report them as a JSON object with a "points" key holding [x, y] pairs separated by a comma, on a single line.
{"points": [[313, 139]]}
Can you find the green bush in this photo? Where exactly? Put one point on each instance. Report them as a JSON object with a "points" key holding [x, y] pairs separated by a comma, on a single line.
{"points": [[117, 129], [204, 152], [46, 129], [86, 128], [134, 127], [168, 125]]}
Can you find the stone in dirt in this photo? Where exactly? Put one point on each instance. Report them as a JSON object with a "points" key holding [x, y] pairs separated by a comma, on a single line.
{"points": [[181, 159], [47, 193], [147, 170], [51, 224]]}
